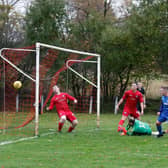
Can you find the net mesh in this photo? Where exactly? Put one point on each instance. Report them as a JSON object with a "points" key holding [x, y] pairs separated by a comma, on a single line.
{"points": [[17, 106]]}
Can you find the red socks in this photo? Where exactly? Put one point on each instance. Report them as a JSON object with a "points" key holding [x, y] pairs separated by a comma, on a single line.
{"points": [[60, 125], [121, 122], [70, 129], [124, 130]]}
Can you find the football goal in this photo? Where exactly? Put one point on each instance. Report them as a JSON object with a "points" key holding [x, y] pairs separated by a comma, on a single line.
{"points": [[39, 68]]}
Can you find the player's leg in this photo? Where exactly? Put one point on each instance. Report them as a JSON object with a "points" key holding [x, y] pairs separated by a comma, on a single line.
{"points": [[74, 124], [159, 122], [138, 110], [62, 120], [159, 128], [121, 122], [73, 120]]}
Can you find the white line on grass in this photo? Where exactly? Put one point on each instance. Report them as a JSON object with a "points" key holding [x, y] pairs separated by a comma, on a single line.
{"points": [[24, 139], [15, 141], [41, 135], [46, 134]]}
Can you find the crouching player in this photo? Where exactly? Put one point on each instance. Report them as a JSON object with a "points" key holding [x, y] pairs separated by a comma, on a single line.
{"points": [[137, 127], [163, 113], [60, 101]]}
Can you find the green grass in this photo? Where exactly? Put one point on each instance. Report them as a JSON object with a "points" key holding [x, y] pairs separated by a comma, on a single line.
{"points": [[87, 147]]}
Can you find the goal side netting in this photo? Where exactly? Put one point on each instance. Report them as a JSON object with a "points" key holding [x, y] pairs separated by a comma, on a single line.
{"points": [[39, 68]]}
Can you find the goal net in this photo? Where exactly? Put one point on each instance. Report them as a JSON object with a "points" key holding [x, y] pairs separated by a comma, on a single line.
{"points": [[39, 68]]}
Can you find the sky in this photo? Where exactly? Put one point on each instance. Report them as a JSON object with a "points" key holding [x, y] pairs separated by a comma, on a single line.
{"points": [[22, 5]]}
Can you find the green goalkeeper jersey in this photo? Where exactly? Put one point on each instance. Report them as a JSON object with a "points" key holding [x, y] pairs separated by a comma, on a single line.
{"points": [[139, 128]]}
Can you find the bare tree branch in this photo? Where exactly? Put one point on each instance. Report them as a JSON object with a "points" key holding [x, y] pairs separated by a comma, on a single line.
{"points": [[11, 2]]}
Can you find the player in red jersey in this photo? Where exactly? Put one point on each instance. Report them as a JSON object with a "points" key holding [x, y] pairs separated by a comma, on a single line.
{"points": [[64, 113], [132, 97]]}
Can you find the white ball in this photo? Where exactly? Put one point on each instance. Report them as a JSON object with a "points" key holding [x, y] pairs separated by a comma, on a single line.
{"points": [[17, 84]]}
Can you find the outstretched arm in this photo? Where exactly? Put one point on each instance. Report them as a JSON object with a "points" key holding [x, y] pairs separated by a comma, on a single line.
{"points": [[122, 99], [129, 132], [51, 106], [119, 103], [71, 98]]}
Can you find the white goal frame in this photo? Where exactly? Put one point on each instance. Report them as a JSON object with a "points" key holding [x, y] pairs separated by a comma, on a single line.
{"points": [[36, 80]]}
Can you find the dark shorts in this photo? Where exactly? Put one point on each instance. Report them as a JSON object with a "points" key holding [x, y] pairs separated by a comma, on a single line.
{"points": [[139, 107], [162, 118]]}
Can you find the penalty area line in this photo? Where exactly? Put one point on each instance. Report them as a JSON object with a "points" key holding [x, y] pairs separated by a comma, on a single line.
{"points": [[25, 139], [15, 141]]}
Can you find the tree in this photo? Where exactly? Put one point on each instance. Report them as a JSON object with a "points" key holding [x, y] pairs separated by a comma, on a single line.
{"points": [[11, 24], [46, 22], [118, 61], [161, 25], [87, 24], [131, 47]]}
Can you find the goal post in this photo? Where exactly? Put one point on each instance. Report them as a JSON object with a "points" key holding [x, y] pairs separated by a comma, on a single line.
{"points": [[37, 89], [48, 66], [98, 62], [16, 109]]}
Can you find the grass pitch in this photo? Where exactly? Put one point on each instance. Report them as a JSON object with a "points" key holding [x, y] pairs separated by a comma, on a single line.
{"points": [[87, 146]]}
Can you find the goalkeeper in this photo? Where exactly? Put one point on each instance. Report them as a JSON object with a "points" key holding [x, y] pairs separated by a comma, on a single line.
{"points": [[136, 127]]}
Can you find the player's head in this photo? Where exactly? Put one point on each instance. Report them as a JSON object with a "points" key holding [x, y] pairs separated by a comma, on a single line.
{"points": [[134, 86], [56, 89], [139, 84], [131, 120], [164, 90]]}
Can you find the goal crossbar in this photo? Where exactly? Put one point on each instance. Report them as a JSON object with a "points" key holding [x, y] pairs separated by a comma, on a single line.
{"points": [[68, 50]]}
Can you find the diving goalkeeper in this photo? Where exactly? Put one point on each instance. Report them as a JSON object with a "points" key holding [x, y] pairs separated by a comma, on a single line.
{"points": [[136, 127]]}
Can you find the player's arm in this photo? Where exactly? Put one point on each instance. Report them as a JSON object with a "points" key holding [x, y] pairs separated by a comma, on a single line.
{"points": [[161, 109], [119, 103], [128, 131], [144, 98], [71, 98], [142, 108], [51, 105], [121, 100], [141, 104]]}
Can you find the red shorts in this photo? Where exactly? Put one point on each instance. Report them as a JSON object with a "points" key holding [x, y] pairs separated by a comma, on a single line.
{"points": [[136, 114], [69, 115], [132, 112]]}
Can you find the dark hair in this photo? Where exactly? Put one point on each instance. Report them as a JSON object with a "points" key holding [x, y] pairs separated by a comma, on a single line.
{"points": [[131, 120]]}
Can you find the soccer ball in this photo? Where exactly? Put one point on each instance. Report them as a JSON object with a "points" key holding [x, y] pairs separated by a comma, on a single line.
{"points": [[17, 84]]}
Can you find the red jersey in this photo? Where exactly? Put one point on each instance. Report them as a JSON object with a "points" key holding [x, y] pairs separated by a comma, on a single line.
{"points": [[132, 98], [60, 101]]}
